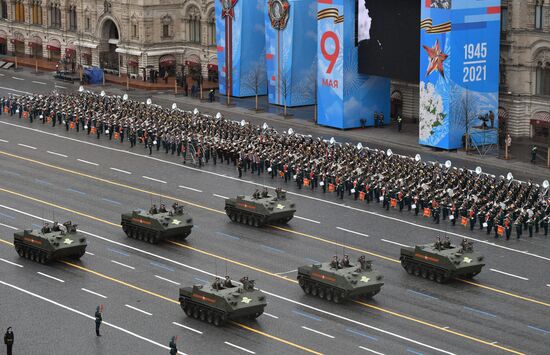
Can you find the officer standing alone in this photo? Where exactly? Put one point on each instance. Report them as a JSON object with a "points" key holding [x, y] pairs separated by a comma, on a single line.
{"points": [[173, 347], [98, 320], [8, 340]]}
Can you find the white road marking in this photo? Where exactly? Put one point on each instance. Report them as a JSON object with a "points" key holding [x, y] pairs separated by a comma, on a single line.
{"points": [[121, 264], [87, 316], [60, 86], [167, 280], [93, 293], [10, 262], [153, 179], [370, 350], [189, 188], [239, 347], [10, 89], [446, 327], [188, 328], [307, 219], [4, 141], [353, 232], [87, 252], [39, 82], [51, 277], [508, 274], [8, 226], [395, 219], [396, 243], [87, 162], [121, 171], [270, 315], [220, 196], [303, 305], [139, 310], [26, 146], [2, 74], [318, 332], [16, 78], [58, 154], [287, 272], [548, 285]]}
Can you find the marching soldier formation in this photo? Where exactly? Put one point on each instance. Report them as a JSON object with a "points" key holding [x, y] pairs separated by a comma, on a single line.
{"points": [[499, 205]]}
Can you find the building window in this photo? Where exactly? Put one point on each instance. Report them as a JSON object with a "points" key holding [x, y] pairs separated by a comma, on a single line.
{"points": [[72, 18], [211, 30], [194, 24], [55, 16], [36, 7], [543, 79], [504, 19], [166, 27], [19, 11], [88, 24], [539, 14], [4, 9]]}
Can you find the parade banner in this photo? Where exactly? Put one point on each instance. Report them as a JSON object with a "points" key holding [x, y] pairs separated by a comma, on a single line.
{"points": [[240, 39], [345, 98], [291, 56], [459, 72]]}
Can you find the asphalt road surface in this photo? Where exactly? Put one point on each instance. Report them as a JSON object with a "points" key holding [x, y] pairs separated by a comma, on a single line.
{"points": [[47, 173]]}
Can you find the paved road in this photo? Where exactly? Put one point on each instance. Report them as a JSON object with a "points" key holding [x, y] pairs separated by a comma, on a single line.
{"points": [[46, 171]]}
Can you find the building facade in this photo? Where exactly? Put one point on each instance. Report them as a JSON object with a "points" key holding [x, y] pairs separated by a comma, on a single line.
{"points": [[126, 36]]}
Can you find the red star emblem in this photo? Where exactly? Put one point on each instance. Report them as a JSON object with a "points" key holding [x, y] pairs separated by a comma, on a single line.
{"points": [[437, 57]]}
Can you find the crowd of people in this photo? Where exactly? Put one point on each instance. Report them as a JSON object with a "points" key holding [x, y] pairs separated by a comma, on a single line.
{"points": [[496, 204]]}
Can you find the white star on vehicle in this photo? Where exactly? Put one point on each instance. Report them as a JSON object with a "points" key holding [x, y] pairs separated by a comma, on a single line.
{"points": [[279, 206], [246, 300], [467, 260], [68, 241], [365, 279], [176, 221]]}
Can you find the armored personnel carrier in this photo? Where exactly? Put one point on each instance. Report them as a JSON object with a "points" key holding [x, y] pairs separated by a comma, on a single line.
{"points": [[219, 302], [50, 243], [338, 281], [157, 224], [442, 261], [260, 208]]}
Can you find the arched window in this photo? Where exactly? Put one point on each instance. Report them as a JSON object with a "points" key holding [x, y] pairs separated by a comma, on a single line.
{"points": [[166, 27], [3, 9], [194, 25], [55, 15], [543, 78], [211, 26], [19, 11], [36, 7], [71, 14]]}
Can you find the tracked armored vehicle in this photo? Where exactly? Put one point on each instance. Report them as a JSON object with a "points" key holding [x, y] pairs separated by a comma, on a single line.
{"points": [[339, 281], [221, 302], [50, 243], [260, 208], [156, 225], [442, 261]]}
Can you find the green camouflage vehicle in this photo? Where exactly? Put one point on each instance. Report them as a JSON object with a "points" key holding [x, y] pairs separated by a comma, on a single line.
{"points": [[339, 281], [442, 261], [50, 243], [156, 225], [219, 302], [260, 208]]}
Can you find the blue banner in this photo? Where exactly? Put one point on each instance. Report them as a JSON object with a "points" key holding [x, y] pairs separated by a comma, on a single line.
{"points": [[459, 72], [240, 39], [344, 96], [291, 57]]}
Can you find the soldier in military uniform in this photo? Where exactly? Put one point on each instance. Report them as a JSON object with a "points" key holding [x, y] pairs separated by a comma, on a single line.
{"points": [[98, 320], [173, 347], [9, 340]]}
